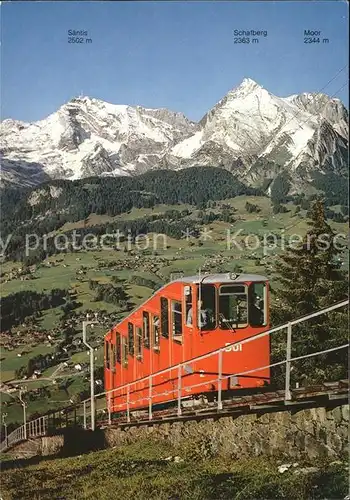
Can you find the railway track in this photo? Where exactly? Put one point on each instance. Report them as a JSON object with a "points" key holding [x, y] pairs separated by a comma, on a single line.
{"points": [[326, 394]]}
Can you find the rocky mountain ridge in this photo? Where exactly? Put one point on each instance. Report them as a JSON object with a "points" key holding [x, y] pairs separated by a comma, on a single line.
{"points": [[250, 132]]}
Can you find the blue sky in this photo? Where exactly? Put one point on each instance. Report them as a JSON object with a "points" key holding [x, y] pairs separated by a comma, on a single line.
{"points": [[165, 54]]}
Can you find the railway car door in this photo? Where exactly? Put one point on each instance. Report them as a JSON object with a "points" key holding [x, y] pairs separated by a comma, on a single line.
{"points": [[206, 308], [177, 321], [189, 324], [146, 366], [108, 381], [112, 363], [155, 343], [109, 365]]}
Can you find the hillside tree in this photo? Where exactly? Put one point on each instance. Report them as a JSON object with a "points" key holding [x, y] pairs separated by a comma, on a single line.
{"points": [[311, 278]]}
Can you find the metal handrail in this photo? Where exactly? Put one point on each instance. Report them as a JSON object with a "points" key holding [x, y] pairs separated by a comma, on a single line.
{"points": [[39, 427], [207, 382], [244, 341]]}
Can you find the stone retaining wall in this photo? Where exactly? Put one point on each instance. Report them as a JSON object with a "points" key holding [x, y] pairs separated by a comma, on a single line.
{"points": [[309, 433], [42, 446]]}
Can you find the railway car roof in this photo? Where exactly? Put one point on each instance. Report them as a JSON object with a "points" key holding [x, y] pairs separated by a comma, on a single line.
{"points": [[221, 278]]}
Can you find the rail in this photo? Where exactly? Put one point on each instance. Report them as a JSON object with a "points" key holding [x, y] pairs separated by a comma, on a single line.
{"points": [[78, 414]]}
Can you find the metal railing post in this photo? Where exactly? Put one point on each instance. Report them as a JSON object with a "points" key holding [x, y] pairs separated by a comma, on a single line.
{"points": [[287, 393], [150, 398], [84, 414], [92, 389], [109, 410], [179, 391], [220, 380], [92, 381], [23, 403], [4, 415], [128, 403]]}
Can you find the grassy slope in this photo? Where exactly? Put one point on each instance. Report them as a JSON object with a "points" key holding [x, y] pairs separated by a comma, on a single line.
{"points": [[139, 471]]}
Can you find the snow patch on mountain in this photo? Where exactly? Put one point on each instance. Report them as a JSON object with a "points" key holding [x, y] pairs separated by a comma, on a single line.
{"points": [[186, 148]]}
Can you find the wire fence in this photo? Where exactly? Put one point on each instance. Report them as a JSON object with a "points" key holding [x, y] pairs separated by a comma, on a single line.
{"points": [[104, 405]]}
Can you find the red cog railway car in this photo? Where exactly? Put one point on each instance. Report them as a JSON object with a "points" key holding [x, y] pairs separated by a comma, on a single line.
{"points": [[186, 318]]}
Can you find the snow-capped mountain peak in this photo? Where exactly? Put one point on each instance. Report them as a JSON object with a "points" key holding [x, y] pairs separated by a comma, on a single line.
{"points": [[88, 136], [251, 126], [247, 85]]}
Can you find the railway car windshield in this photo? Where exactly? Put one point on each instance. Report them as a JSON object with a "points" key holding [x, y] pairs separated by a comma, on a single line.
{"points": [[233, 306], [240, 305]]}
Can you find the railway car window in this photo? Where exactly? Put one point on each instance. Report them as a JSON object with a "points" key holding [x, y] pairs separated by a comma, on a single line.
{"points": [[156, 331], [118, 348], [257, 304], [112, 356], [188, 302], [176, 318], [146, 329], [206, 307], [164, 317], [125, 351], [139, 343], [131, 338], [233, 307], [107, 356], [232, 289]]}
